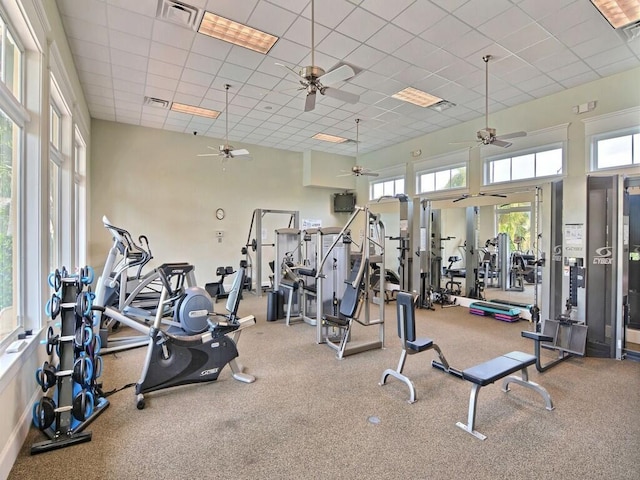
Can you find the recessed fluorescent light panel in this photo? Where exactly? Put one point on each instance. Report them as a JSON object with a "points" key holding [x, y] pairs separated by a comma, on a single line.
{"points": [[233, 32], [417, 97], [619, 13], [191, 110], [329, 138]]}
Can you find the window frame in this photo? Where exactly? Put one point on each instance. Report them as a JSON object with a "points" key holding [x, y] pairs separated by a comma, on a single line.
{"points": [[489, 160], [385, 180], [635, 149], [419, 174], [13, 107]]}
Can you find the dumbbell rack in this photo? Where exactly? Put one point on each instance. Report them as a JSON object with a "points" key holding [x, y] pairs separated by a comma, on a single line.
{"points": [[76, 398]]}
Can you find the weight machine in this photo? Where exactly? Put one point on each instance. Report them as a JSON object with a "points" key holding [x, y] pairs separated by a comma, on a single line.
{"points": [[287, 261], [358, 296], [255, 243]]}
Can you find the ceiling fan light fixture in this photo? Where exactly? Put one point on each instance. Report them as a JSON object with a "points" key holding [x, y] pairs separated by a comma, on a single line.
{"points": [[237, 33], [192, 110], [619, 13], [329, 138], [417, 97]]}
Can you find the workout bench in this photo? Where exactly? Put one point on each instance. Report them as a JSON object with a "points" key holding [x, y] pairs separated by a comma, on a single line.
{"points": [[488, 372], [410, 344]]}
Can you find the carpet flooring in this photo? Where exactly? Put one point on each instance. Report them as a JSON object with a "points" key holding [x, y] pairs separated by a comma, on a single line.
{"points": [[310, 415]]}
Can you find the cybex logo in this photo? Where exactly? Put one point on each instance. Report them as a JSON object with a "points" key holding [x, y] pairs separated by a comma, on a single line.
{"points": [[198, 313], [211, 371], [557, 253], [603, 256]]}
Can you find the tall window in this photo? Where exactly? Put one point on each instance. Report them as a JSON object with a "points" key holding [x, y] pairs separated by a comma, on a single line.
{"points": [[442, 179], [386, 188], [616, 150], [79, 196], [12, 117], [55, 156], [515, 219], [11, 65], [543, 162]]}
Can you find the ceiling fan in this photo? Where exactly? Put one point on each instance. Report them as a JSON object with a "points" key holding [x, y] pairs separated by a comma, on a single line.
{"points": [[358, 170], [226, 151], [314, 79], [464, 196], [487, 136]]}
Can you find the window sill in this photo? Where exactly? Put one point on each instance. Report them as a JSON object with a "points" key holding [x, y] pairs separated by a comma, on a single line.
{"points": [[10, 362]]}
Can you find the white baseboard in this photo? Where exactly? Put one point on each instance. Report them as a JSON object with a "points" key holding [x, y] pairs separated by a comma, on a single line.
{"points": [[17, 437]]}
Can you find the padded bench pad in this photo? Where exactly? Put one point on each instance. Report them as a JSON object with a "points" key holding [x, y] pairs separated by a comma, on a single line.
{"points": [[540, 337], [497, 368], [339, 321], [420, 344]]}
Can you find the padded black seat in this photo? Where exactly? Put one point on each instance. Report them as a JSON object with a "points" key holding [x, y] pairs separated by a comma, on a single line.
{"points": [[420, 345]]}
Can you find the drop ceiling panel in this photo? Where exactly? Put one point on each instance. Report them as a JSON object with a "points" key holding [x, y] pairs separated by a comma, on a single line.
{"points": [[123, 52], [477, 13], [271, 19], [126, 21], [499, 26], [389, 38], [445, 31], [332, 13], [88, 31], [157, 67], [232, 9], [147, 8], [360, 24], [129, 45], [290, 53], [171, 34], [129, 60], [419, 16]]}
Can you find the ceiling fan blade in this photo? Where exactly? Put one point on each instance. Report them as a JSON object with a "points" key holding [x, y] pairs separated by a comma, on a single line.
{"points": [[369, 174], [289, 69], [240, 151], [344, 175], [500, 143], [208, 155], [499, 195], [512, 135], [341, 95], [310, 102], [463, 197], [337, 75]]}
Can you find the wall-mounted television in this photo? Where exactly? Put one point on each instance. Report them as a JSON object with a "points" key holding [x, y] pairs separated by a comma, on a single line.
{"points": [[344, 202]]}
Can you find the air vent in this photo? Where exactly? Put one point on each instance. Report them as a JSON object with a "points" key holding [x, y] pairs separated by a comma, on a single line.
{"points": [[178, 13], [157, 102], [630, 32]]}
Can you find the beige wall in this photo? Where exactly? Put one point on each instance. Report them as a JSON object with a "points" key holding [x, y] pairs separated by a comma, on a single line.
{"points": [[151, 182]]}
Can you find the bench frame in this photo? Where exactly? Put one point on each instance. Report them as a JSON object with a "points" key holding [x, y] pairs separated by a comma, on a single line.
{"points": [[522, 380], [411, 345]]}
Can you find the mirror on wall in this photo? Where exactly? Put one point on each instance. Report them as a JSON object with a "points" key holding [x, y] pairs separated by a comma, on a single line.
{"points": [[503, 241]]}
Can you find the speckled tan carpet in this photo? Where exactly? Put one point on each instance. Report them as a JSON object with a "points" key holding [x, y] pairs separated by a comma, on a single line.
{"points": [[308, 414]]}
